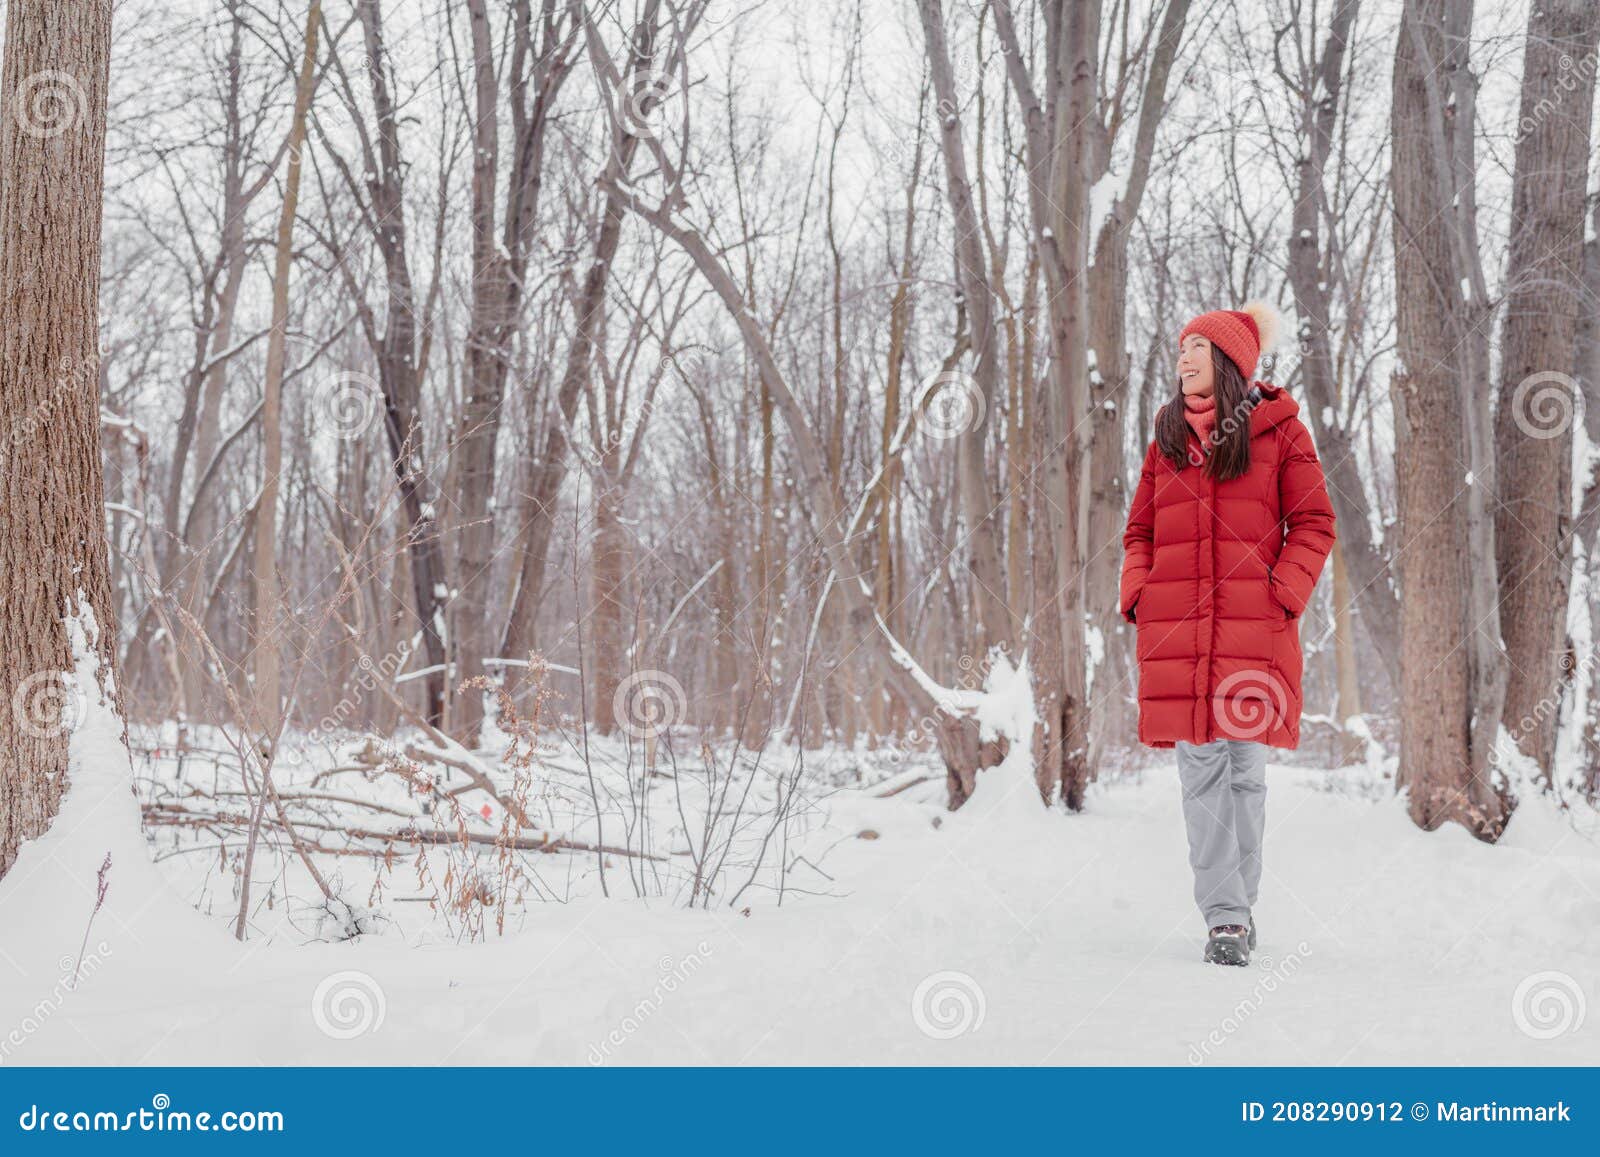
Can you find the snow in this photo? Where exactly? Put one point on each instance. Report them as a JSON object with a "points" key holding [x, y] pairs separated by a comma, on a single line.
{"points": [[1103, 197], [1004, 932]]}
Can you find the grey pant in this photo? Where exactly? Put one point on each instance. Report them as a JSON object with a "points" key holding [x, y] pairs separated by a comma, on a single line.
{"points": [[1225, 809]]}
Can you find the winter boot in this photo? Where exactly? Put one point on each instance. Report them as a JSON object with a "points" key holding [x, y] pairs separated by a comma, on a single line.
{"points": [[1228, 944]]}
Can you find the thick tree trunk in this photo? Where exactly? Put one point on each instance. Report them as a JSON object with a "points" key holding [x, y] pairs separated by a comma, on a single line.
{"points": [[1065, 247], [1538, 406], [1058, 200], [53, 559], [1441, 730], [1586, 367]]}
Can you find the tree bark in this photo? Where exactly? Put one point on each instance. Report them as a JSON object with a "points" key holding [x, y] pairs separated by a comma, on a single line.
{"points": [[53, 558], [1057, 152], [1445, 717], [1538, 406]]}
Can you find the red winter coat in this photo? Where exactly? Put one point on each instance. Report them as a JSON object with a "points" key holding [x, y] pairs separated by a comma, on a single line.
{"points": [[1215, 576]]}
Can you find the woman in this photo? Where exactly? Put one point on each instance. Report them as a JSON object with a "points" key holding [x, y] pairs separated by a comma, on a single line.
{"points": [[1229, 529]]}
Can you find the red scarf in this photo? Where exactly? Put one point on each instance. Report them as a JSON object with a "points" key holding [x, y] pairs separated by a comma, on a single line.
{"points": [[1202, 417]]}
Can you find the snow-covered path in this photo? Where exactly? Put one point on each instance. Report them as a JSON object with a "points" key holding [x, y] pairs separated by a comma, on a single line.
{"points": [[1002, 934]]}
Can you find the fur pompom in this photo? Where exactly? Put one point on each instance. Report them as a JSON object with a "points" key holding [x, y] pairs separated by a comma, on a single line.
{"points": [[1268, 323]]}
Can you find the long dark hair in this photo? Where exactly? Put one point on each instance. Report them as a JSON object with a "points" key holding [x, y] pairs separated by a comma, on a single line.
{"points": [[1229, 454]]}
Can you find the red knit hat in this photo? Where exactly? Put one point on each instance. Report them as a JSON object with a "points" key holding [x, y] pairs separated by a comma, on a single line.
{"points": [[1240, 333]]}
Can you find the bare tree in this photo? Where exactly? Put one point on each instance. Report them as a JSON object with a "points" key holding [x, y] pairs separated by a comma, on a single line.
{"points": [[399, 344], [1106, 496], [640, 79], [992, 621], [539, 63], [1315, 76], [1056, 101], [1535, 418], [268, 601], [1452, 673]]}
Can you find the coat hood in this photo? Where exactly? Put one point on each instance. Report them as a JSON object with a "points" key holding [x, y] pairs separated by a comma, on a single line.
{"points": [[1275, 408]]}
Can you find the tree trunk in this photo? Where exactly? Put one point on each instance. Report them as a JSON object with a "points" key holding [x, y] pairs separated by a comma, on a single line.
{"points": [[1441, 704], [497, 279], [1310, 277], [399, 374], [1066, 247], [487, 356], [608, 569], [53, 558], [1110, 372], [1538, 406], [1353, 748], [265, 652], [968, 404], [1058, 200]]}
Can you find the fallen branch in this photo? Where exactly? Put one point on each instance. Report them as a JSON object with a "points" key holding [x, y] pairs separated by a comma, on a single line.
{"points": [[177, 814]]}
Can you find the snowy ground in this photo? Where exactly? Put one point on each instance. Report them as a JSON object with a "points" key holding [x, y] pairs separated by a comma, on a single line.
{"points": [[1000, 934]]}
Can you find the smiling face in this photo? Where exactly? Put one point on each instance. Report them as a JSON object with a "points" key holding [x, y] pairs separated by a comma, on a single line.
{"points": [[1196, 375]]}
